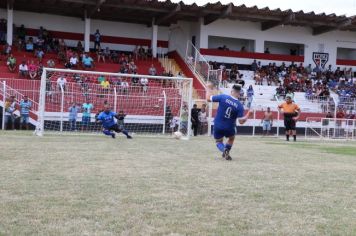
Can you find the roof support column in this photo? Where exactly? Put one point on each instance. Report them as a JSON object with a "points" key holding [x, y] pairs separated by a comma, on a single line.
{"points": [[87, 34], [154, 39], [259, 45], [10, 23]]}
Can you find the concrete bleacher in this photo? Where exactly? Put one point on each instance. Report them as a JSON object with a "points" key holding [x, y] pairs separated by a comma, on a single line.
{"points": [[142, 65]]}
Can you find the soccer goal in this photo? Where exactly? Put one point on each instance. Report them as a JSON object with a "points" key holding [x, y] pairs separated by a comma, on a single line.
{"points": [[330, 128], [70, 100]]}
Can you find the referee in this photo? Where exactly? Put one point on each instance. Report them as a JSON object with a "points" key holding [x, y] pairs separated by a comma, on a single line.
{"points": [[291, 112]]}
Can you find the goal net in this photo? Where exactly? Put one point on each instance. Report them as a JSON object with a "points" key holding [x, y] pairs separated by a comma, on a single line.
{"points": [[70, 101], [330, 128]]}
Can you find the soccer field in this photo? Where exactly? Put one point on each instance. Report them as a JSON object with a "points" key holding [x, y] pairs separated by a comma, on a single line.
{"points": [[95, 185]]}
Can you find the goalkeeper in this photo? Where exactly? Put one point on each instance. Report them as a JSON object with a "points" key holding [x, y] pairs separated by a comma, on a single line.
{"points": [[106, 118]]}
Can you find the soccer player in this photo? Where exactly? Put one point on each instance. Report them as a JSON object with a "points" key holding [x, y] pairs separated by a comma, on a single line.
{"points": [[291, 112], [229, 110], [107, 120]]}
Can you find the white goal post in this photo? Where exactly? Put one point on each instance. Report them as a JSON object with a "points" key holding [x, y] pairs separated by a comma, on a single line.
{"points": [[69, 101], [330, 128]]}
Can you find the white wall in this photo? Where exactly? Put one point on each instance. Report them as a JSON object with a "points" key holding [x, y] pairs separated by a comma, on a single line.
{"points": [[288, 34], [76, 25]]}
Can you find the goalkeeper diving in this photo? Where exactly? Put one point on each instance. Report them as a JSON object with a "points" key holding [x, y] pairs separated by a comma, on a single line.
{"points": [[106, 118]]}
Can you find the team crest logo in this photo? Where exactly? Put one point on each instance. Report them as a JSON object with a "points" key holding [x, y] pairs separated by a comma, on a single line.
{"points": [[320, 58]]}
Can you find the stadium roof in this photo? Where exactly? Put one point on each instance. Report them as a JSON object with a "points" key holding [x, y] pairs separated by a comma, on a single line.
{"points": [[165, 13]]}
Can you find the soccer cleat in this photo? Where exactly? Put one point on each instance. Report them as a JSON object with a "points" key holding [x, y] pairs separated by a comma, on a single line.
{"points": [[129, 137], [226, 155], [113, 135]]}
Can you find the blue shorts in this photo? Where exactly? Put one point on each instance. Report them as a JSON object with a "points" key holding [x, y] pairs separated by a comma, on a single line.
{"points": [[25, 118], [85, 120], [223, 132], [266, 125]]}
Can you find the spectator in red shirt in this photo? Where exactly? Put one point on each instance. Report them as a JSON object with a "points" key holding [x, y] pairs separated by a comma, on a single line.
{"points": [[32, 70]]}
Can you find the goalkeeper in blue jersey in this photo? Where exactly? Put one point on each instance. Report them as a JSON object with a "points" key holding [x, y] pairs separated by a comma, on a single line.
{"points": [[230, 109], [107, 120]]}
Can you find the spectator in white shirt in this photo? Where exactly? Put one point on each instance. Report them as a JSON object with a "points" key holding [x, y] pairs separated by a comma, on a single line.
{"points": [[23, 69], [61, 82], [73, 61], [144, 84], [124, 86], [152, 70]]}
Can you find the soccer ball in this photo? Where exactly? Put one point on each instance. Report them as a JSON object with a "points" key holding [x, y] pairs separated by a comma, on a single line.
{"points": [[177, 135]]}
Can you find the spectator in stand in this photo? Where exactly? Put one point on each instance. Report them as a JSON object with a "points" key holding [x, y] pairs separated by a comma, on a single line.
{"points": [[250, 94], [254, 66], [152, 70], [132, 67], [73, 115], [100, 54], [73, 61], [224, 48], [124, 87], [39, 54], [101, 78], [32, 70], [114, 56], [39, 69], [11, 63], [21, 33], [105, 85], [29, 45], [61, 82], [80, 48], [243, 49], [134, 80], [144, 84], [39, 43], [7, 50], [267, 51], [55, 45], [62, 45], [50, 63], [10, 108], [141, 53], [25, 107], [107, 53], [149, 52], [97, 40], [87, 62], [23, 69]]}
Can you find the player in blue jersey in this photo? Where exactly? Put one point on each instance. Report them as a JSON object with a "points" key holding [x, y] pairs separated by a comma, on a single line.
{"points": [[108, 122], [230, 109]]}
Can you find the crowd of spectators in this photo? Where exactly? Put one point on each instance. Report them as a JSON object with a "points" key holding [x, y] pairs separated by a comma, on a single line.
{"points": [[75, 58]]}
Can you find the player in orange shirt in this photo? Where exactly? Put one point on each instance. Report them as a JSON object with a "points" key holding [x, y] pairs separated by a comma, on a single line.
{"points": [[291, 112]]}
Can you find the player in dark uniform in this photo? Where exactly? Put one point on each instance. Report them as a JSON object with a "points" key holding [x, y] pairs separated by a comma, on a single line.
{"points": [[229, 110]]}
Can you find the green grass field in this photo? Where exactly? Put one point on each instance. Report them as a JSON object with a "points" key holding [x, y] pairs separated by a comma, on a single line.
{"points": [[81, 185]]}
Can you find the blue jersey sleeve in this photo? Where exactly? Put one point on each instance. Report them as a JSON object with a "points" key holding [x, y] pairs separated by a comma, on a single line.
{"points": [[240, 111], [100, 116], [217, 98]]}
